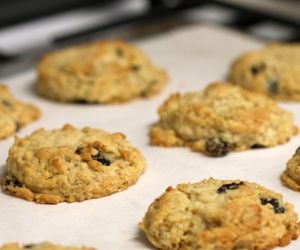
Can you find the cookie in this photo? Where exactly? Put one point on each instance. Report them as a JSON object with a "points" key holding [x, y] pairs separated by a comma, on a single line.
{"points": [[220, 119], [41, 246], [291, 176], [273, 70], [220, 214], [14, 114], [69, 164], [99, 72]]}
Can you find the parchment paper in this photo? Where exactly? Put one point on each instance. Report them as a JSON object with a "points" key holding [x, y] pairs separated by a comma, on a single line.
{"points": [[194, 56]]}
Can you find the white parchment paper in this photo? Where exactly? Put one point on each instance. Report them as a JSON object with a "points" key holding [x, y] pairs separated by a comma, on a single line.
{"points": [[194, 56]]}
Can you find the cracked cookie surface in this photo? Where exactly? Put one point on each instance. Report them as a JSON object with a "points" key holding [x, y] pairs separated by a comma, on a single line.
{"points": [[220, 214], [14, 114], [291, 176], [273, 70], [71, 165], [220, 119], [99, 72], [41, 246]]}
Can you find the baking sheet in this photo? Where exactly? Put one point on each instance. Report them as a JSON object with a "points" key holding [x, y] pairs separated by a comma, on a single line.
{"points": [[194, 56]]}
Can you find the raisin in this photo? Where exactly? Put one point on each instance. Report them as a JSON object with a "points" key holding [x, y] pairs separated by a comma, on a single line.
{"points": [[230, 186], [6, 103], [256, 69], [18, 126], [278, 209], [257, 145], [80, 101], [135, 68], [273, 86], [28, 246], [217, 147], [119, 52], [79, 150], [100, 157], [13, 182], [83, 101], [298, 150]]}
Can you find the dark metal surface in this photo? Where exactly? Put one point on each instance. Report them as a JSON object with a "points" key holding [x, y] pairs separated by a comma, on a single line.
{"points": [[158, 18], [16, 11]]}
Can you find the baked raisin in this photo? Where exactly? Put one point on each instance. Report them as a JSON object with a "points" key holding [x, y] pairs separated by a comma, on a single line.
{"points": [[135, 68], [100, 157], [79, 150], [18, 126], [82, 101], [256, 69], [119, 52], [278, 209], [273, 86], [257, 145], [12, 182], [6, 103], [217, 147], [28, 246], [230, 186]]}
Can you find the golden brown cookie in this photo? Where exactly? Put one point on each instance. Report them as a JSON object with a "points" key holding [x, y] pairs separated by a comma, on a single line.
{"points": [[41, 246], [291, 176], [220, 119], [71, 165], [14, 114], [273, 70], [99, 72], [220, 214]]}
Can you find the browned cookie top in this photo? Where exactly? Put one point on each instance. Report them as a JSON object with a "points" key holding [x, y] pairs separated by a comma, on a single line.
{"points": [[99, 72]]}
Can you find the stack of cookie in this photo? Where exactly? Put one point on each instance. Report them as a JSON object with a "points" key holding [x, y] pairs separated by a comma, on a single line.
{"points": [[72, 164]]}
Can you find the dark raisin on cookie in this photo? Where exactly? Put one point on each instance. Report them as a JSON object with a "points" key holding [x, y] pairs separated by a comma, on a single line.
{"points": [[119, 52], [82, 101], [256, 69], [217, 147], [298, 150], [18, 126], [273, 86], [257, 145], [100, 157], [278, 209], [28, 246], [229, 186], [12, 182], [97, 157], [6, 103], [79, 150], [135, 67]]}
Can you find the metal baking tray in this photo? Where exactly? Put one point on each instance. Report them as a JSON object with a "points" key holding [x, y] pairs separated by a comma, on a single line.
{"points": [[194, 56]]}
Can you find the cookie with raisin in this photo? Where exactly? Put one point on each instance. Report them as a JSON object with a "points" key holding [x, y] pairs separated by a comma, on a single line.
{"points": [[41, 246], [222, 118], [70, 164], [220, 214], [14, 114], [108, 71], [291, 176], [273, 70]]}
